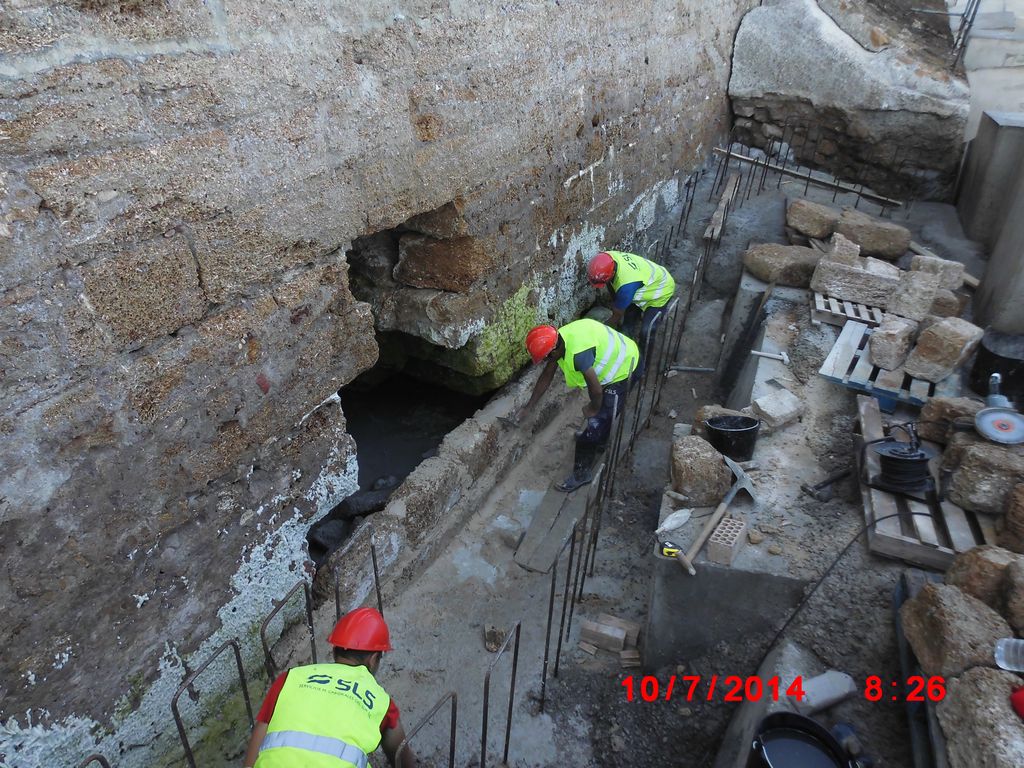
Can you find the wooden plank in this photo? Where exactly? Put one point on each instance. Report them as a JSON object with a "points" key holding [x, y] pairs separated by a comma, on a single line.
{"points": [[988, 528], [714, 228], [834, 307], [838, 361], [960, 534], [544, 555], [631, 628], [883, 505], [919, 389], [540, 526], [819, 302], [890, 381], [862, 370], [849, 311], [971, 281], [878, 315], [921, 520], [818, 245], [863, 314], [609, 638]]}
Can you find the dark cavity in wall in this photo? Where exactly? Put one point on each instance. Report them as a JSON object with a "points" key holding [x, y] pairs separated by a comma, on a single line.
{"points": [[397, 422]]}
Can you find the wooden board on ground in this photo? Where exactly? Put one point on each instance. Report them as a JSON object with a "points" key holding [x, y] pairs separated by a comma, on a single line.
{"points": [[550, 529], [929, 534], [849, 364], [839, 312], [714, 228]]}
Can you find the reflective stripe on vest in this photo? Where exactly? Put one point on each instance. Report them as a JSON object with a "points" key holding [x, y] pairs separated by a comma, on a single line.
{"points": [[616, 358], [320, 710], [325, 745], [657, 287]]}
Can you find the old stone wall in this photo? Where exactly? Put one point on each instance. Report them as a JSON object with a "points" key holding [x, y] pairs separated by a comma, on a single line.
{"points": [[870, 105], [183, 185]]}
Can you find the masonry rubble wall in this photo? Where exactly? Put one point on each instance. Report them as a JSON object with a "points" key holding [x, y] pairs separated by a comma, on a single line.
{"points": [[800, 78], [183, 183]]}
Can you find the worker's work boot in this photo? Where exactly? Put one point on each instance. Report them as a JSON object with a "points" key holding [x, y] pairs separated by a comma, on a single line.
{"points": [[582, 468]]}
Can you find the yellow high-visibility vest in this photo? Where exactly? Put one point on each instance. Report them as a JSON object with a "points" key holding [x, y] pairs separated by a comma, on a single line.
{"points": [[326, 716], [617, 355], [658, 285]]}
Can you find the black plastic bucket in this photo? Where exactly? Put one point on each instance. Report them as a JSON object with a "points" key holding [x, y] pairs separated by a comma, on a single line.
{"points": [[789, 740], [733, 436]]}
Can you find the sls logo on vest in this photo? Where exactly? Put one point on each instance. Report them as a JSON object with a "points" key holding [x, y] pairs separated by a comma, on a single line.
{"points": [[366, 698]]}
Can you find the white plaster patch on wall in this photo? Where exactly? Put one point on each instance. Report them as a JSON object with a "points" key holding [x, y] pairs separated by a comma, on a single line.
{"points": [[559, 299]]}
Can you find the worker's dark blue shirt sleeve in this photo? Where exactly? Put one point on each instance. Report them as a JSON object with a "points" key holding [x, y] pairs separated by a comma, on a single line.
{"points": [[624, 296], [584, 360]]}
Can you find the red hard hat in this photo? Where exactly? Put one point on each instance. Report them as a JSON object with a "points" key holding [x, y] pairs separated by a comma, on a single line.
{"points": [[361, 630], [540, 341], [601, 269]]}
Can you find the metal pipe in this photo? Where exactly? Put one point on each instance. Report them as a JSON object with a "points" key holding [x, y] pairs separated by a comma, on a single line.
{"points": [[187, 684], [433, 710]]}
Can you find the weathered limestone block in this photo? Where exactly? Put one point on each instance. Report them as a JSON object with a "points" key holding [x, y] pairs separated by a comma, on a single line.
{"points": [[1012, 598], [890, 342], [938, 414], [844, 250], [779, 408], [959, 442], [951, 273], [448, 265], [374, 258], [945, 304], [875, 237], [147, 292], [863, 280], [985, 477], [698, 471], [812, 219], [942, 347], [791, 265], [950, 631], [981, 728], [980, 572], [914, 296], [445, 223], [1012, 534]]}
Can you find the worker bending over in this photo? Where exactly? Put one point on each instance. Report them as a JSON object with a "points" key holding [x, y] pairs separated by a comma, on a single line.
{"points": [[332, 715], [593, 356], [632, 280]]}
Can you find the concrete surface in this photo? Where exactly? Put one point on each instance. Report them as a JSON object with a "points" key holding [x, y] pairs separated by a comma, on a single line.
{"points": [[999, 302], [991, 169]]}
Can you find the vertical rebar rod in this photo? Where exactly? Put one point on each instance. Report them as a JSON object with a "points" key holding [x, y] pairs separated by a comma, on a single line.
{"points": [[376, 576], [268, 657], [187, 684], [565, 594], [515, 629], [451, 695], [547, 639]]}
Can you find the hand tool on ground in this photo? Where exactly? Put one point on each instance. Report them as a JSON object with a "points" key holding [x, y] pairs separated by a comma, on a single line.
{"points": [[741, 482], [823, 491], [772, 355]]}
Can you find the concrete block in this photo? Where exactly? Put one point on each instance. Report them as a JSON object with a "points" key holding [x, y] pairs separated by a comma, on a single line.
{"points": [[980, 726], [726, 540], [937, 416], [990, 173], [791, 265], [890, 342], [812, 219], [823, 691], [951, 631], [779, 408], [698, 471], [951, 273], [985, 477], [980, 572], [875, 237], [914, 296], [1012, 534], [942, 347]]}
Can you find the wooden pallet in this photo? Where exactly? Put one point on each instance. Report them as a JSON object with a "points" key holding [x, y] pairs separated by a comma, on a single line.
{"points": [[849, 364], [929, 534], [827, 309]]}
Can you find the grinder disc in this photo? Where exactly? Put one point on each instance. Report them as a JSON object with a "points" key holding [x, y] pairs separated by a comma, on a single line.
{"points": [[1000, 425]]}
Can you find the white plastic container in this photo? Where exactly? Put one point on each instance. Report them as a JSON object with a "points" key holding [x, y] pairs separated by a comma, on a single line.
{"points": [[1010, 654]]}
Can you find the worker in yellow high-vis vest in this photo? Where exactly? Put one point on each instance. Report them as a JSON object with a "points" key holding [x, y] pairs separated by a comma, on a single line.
{"points": [[594, 357], [332, 715], [632, 280]]}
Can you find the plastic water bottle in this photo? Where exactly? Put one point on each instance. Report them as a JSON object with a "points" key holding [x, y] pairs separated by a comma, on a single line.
{"points": [[1010, 654]]}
